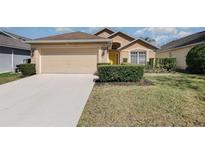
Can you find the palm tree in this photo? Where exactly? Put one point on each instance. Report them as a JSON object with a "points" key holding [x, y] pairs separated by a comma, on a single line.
{"points": [[148, 39]]}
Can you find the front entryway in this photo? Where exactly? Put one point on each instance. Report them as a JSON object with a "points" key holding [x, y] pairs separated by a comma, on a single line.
{"points": [[113, 57]]}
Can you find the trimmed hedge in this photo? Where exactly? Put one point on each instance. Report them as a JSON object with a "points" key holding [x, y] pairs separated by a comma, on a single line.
{"points": [[120, 73], [103, 64], [27, 69], [195, 59]]}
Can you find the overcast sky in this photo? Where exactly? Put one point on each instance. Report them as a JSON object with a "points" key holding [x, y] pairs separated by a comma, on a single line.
{"points": [[162, 35]]}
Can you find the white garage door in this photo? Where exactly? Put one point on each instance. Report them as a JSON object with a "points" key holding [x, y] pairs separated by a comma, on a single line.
{"points": [[69, 60]]}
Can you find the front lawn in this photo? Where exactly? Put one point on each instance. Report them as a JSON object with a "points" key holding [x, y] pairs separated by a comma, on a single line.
{"points": [[8, 77], [174, 100]]}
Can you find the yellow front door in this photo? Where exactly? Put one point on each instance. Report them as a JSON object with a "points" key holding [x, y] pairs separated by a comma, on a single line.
{"points": [[112, 57]]}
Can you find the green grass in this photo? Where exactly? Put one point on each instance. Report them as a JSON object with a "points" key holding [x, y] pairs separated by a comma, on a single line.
{"points": [[8, 77], [174, 100]]}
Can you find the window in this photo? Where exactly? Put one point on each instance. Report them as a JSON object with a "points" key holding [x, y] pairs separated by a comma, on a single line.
{"points": [[134, 57], [142, 58], [138, 57]]}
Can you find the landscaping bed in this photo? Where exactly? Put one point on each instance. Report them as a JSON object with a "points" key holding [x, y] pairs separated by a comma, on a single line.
{"points": [[142, 82], [173, 100]]}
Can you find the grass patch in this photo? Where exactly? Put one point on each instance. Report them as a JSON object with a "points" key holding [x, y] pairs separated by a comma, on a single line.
{"points": [[174, 100], [8, 77]]}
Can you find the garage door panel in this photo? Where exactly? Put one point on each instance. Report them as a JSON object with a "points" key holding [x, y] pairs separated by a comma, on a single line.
{"points": [[69, 61], [52, 52]]}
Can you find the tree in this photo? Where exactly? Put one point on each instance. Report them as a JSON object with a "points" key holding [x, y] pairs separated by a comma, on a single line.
{"points": [[148, 39], [195, 59]]}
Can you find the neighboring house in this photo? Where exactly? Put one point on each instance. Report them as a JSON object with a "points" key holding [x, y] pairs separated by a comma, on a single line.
{"points": [[179, 48], [13, 51], [80, 52]]}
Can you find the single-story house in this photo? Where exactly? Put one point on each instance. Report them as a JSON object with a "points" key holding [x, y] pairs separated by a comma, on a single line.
{"points": [[13, 51], [179, 48], [80, 52]]}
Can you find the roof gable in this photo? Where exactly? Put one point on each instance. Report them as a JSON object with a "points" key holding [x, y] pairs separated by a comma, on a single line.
{"points": [[71, 36], [104, 34], [126, 36], [149, 45], [104, 30]]}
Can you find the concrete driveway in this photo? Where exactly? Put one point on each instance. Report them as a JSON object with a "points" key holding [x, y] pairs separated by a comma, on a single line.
{"points": [[45, 100]]}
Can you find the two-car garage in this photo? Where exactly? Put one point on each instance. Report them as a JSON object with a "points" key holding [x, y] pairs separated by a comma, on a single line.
{"points": [[74, 53], [68, 60]]}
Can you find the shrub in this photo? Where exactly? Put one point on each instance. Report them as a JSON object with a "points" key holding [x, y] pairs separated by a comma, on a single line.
{"points": [[103, 64], [169, 63], [195, 59], [165, 63], [27, 69], [151, 63], [159, 63], [120, 73]]}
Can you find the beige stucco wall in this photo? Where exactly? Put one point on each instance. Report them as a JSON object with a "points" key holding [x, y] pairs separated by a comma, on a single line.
{"points": [[123, 41], [102, 55], [104, 34], [162, 55], [140, 46], [180, 55]]}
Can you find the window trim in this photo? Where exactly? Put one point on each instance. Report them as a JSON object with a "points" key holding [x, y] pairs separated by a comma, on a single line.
{"points": [[138, 51]]}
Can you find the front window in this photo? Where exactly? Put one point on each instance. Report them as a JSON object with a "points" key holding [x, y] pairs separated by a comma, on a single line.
{"points": [[142, 58], [138, 57], [134, 57]]}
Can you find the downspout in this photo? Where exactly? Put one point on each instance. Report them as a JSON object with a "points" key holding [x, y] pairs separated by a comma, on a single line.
{"points": [[12, 60]]}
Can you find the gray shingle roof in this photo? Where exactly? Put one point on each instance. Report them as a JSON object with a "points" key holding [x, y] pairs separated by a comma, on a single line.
{"points": [[188, 40], [6, 41], [16, 36]]}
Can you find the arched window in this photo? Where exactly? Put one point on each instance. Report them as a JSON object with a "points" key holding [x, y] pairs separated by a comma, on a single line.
{"points": [[116, 45], [138, 57]]}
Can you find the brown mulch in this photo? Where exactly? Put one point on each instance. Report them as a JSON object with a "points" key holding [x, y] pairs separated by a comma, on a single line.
{"points": [[142, 82]]}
